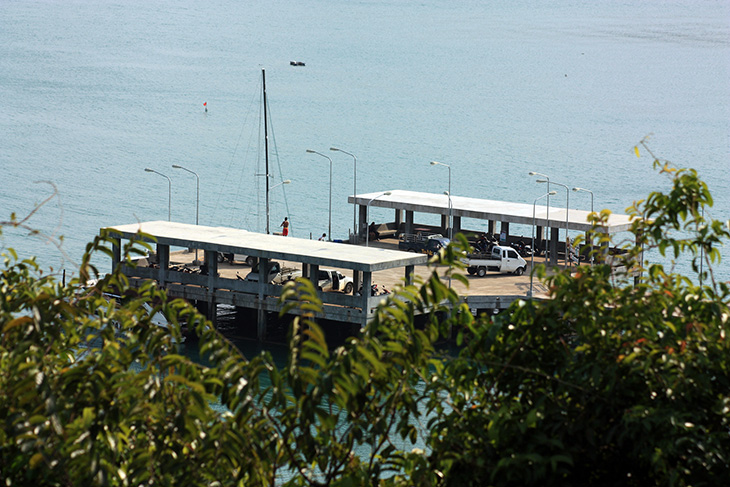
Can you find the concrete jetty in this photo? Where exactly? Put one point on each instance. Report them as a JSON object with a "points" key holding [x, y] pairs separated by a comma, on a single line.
{"points": [[222, 283]]}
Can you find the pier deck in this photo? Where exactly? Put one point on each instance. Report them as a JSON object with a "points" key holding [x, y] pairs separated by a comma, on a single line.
{"points": [[223, 283]]}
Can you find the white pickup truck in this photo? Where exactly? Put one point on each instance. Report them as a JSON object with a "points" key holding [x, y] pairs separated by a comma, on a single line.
{"points": [[277, 273], [501, 259]]}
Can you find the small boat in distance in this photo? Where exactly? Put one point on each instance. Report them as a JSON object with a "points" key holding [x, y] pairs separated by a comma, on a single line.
{"points": [[296, 63]]}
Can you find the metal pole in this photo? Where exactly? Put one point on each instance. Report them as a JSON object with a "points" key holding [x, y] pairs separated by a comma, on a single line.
{"points": [[169, 192], [197, 199], [567, 213], [354, 190], [532, 256], [548, 230], [591, 192], [329, 228], [451, 224]]}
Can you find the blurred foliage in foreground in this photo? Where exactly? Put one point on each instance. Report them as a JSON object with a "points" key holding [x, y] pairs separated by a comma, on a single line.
{"points": [[602, 384]]}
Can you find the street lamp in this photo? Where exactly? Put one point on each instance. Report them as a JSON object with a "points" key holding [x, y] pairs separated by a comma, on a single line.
{"points": [[197, 193], [329, 234], [547, 215], [197, 202], [286, 181], [169, 192], [567, 210], [451, 223], [591, 192], [354, 189], [367, 215], [532, 256]]}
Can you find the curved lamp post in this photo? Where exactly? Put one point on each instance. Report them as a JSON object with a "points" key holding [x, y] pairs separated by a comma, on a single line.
{"points": [[532, 256], [329, 234], [451, 223], [169, 192], [547, 216], [354, 188], [367, 215], [197, 202], [591, 192], [567, 212]]}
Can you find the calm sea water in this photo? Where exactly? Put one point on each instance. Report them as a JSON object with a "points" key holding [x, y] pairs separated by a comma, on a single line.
{"points": [[94, 91]]}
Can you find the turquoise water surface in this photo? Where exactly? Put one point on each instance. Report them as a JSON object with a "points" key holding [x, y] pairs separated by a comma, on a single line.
{"points": [[95, 91]]}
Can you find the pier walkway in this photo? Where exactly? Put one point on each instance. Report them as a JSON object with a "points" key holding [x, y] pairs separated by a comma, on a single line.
{"points": [[214, 284]]}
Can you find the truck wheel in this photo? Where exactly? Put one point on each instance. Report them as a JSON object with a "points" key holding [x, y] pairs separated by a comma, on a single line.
{"points": [[412, 250], [482, 271], [348, 288], [251, 261], [220, 257], [471, 270], [519, 271]]}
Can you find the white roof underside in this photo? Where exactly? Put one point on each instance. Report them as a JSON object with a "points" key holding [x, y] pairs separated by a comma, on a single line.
{"points": [[501, 211]]}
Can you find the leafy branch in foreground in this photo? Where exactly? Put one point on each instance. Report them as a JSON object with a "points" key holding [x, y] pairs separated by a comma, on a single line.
{"points": [[598, 385]]}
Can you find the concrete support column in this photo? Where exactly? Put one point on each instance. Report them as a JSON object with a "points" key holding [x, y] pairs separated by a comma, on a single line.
{"points": [[163, 259], [367, 282], [116, 253], [554, 238], [409, 274], [409, 221], [504, 227], [445, 224], [457, 224], [211, 261], [490, 227], [362, 220], [355, 281], [261, 323], [398, 221], [314, 275]]}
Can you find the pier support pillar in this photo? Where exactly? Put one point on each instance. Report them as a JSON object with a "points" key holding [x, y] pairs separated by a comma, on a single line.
{"points": [[554, 237], [362, 221], [356, 281], [445, 224], [116, 253], [490, 227], [261, 311], [313, 274], [367, 282], [409, 274], [409, 221], [211, 267], [457, 225], [163, 259], [504, 227], [538, 244], [398, 221]]}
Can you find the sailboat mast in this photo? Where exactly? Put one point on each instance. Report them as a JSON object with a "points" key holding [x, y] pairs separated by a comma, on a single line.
{"points": [[266, 150]]}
